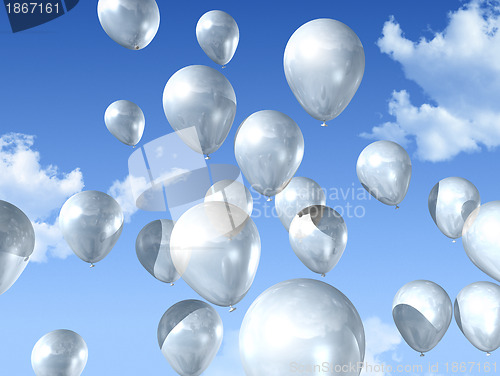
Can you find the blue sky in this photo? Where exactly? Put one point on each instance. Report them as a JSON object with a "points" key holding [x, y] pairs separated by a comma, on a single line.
{"points": [[431, 83]]}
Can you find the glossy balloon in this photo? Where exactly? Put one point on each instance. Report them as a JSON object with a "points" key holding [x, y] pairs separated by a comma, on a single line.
{"points": [[189, 335], [481, 238], [301, 323], [218, 35], [215, 246], [384, 170], [477, 312], [130, 23], [125, 120], [17, 241], [324, 63], [91, 223], [269, 147], [59, 353], [318, 236], [200, 105], [298, 194], [233, 192], [153, 250], [422, 311]]}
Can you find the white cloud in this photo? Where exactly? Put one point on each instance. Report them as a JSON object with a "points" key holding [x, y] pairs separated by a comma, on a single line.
{"points": [[121, 191], [49, 241], [227, 362], [459, 70]]}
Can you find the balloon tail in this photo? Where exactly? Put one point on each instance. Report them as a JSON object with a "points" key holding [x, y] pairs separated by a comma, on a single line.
{"points": [[488, 353], [453, 241], [171, 283], [207, 157], [92, 265], [26, 259], [232, 309], [422, 354], [324, 124], [269, 199], [323, 275], [397, 207]]}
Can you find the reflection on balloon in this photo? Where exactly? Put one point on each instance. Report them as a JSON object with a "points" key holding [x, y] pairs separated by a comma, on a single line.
{"points": [[233, 192], [481, 238], [324, 63], [477, 313], [269, 147], [91, 223], [189, 335], [153, 250], [218, 35], [302, 322], [384, 170], [299, 194], [17, 241], [125, 120], [318, 236], [61, 353], [215, 247], [130, 23], [422, 312]]}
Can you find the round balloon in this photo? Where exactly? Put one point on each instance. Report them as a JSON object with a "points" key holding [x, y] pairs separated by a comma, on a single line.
{"points": [[233, 192], [17, 241], [477, 313], [215, 247], [481, 238], [298, 194], [302, 324], [318, 236], [218, 35], [125, 120], [91, 223], [189, 335], [324, 63], [61, 353], [153, 250], [200, 105], [269, 147], [422, 311], [130, 23], [384, 170]]}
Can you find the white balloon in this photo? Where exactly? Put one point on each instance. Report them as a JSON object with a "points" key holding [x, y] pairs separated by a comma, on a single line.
{"points": [[125, 120]]}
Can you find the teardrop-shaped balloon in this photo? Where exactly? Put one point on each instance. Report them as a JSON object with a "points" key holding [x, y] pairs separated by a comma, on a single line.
{"points": [[130, 23], [422, 312], [269, 147], [477, 313], [61, 352], [215, 247], [91, 223], [384, 170], [318, 236], [218, 35], [189, 335], [200, 105], [125, 120], [324, 63], [302, 323], [153, 250], [481, 238], [232, 192], [298, 194], [17, 241]]}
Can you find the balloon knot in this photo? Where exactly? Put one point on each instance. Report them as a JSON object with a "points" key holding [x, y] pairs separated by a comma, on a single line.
{"points": [[324, 124], [453, 241], [136, 47], [26, 258], [133, 146], [92, 265], [422, 354], [223, 67], [323, 275], [397, 207], [232, 309], [269, 199], [171, 283], [207, 157], [488, 354]]}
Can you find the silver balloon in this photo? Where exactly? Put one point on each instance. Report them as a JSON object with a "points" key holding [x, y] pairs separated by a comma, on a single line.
{"points": [[300, 325], [125, 120], [422, 311], [91, 223], [384, 170], [153, 250], [215, 247], [269, 147], [324, 63], [477, 312], [200, 105], [481, 238], [299, 194], [189, 335], [130, 23], [318, 236], [17, 241], [59, 353], [218, 35], [232, 192]]}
